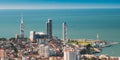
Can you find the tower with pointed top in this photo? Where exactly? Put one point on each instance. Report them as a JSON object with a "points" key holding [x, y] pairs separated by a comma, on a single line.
{"points": [[22, 28]]}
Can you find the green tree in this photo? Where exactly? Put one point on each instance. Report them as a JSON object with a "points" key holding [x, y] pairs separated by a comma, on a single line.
{"points": [[88, 47], [3, 39], [12, 39], [15, 49]]}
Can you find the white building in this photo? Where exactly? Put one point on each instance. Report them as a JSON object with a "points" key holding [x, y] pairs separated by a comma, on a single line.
{"points": [[64, 27], [37, 35], [78, 54], [69, 54], [25, 58], [47, 51], [16, 36], [2, 54], [44, 50], [118, 58], [32, 35]]}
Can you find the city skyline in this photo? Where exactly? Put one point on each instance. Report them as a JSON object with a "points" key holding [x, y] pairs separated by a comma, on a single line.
{"points": [[56, 4]]}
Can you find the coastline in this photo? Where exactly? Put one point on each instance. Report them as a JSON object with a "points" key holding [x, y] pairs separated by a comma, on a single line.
{"points": [[98, 45]]}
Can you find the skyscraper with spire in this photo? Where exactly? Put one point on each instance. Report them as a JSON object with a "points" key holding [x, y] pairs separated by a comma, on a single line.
{"points": [[22, 28]]}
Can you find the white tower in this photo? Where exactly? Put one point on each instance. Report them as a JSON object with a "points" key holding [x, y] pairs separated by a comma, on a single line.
{"points": [[22, 28], [97, 37], [64, 27]]}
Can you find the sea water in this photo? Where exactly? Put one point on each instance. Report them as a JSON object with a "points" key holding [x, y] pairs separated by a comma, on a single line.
{"points": [[81, 24]]}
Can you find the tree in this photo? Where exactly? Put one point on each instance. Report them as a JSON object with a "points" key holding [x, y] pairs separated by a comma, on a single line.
{"points": [[3, 39], [88, 47], [15, 49], [12, 39]]}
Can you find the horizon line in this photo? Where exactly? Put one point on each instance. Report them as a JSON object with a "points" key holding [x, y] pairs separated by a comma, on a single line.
{"points": [[59, 8]]}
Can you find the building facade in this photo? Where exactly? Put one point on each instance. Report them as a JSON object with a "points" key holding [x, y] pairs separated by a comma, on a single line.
{"points": [[2, 54], [69, 54], [43, 50], [32, 35], [49, 28], [64, 27], [37, 35]]}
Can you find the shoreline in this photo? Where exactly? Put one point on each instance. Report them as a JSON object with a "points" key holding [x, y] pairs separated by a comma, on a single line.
{"points": [[98, 45]]}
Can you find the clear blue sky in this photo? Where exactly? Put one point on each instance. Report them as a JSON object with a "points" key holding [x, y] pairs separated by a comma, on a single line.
{"points": [[47, 4]]}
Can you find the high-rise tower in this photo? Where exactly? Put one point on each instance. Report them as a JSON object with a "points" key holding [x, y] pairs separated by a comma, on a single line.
{"points": [[49, 28], [22, 28], [64, 27]]}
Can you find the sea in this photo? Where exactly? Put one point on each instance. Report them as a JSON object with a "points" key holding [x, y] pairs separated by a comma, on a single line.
{"points": [[81, 24]]}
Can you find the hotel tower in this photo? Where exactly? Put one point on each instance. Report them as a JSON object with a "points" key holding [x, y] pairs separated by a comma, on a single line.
{"points": [[49, 28], [64, 27]]}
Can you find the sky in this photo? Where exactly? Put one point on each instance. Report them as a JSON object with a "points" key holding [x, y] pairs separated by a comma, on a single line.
{"points": [[58, 4]]}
